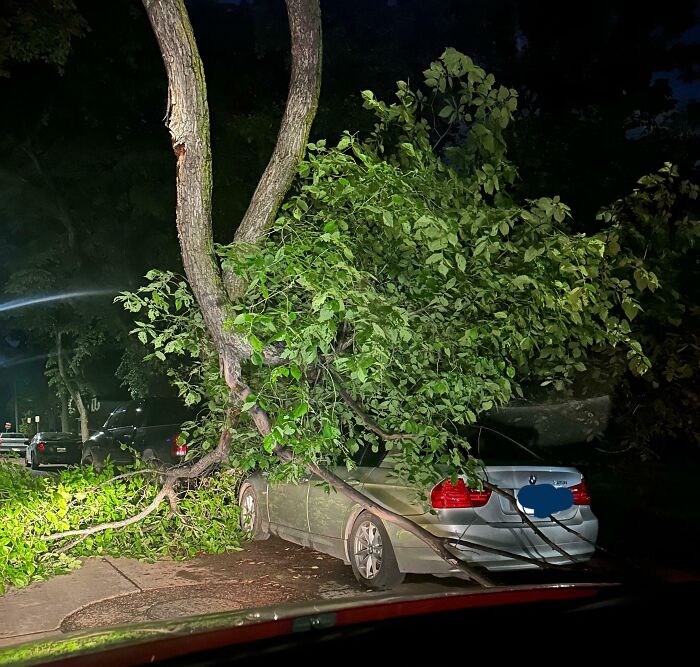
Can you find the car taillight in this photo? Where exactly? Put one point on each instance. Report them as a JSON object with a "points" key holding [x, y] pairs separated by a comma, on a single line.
{"points": [[581, 494], [445, 494], [41, 447], [177, 448]]}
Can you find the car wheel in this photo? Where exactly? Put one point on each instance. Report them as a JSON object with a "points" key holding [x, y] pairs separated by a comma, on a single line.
{"points": [[251, 521], [34, 463], [150, 459], [371, 554], [89, 460]]}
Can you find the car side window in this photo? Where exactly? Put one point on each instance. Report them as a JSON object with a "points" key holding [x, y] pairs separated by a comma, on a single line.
{"points": [[117, 418], [135, 416], [365, 457], [167, 411], [140, 415]]}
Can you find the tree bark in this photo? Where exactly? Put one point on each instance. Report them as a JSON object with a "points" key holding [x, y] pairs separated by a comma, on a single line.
{"points": [[73, 389], [65, 420], [188, 123], [302, 102]]}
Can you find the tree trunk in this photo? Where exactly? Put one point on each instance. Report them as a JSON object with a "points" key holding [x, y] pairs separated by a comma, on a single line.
{"points": [[73, 389], [82, 411], [188, 123], [65, 420]]}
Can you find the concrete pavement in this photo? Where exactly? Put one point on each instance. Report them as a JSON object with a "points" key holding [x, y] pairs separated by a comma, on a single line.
{"points": [[114, 591]]}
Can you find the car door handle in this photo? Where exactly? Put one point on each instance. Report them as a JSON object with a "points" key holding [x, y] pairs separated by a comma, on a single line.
{"points": [[352, 481]]}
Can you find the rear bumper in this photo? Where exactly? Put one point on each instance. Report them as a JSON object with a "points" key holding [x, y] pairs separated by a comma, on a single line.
{"points": [[13, 448], [64, 459], [415, 557]]}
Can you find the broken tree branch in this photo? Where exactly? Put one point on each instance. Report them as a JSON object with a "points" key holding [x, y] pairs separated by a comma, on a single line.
{"points": [[164, 493], [526, 519], [366, 419]]}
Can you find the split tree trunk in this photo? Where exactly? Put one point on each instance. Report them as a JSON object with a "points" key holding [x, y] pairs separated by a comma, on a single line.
{"points": [[188, 123]]}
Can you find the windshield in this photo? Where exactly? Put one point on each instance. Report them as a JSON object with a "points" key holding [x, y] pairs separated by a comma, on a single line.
{"points": [[306, 300]]}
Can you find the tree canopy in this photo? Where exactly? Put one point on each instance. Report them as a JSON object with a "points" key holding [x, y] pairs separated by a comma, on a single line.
{"points": [[407, 291]]}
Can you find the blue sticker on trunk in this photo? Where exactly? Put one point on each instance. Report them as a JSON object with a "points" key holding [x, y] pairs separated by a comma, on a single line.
{"points": [[545, 499]]}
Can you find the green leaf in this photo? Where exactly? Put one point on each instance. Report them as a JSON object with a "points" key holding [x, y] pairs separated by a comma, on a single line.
{"points": [[631, 309], [249, 403], [300, 410], [531, 253], [255, 342]]}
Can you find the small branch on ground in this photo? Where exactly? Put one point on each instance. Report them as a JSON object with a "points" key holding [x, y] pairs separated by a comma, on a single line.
{"points": [[152, 506], [170, 477]]}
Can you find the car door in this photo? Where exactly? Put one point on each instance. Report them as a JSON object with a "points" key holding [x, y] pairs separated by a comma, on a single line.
{"points": [[121, 431], [287, 509], [329, 510]]}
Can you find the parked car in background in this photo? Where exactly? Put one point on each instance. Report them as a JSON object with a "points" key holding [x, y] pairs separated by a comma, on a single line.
{"points": [[49, 447], [149, 428], [381, 553], [13, 442]]}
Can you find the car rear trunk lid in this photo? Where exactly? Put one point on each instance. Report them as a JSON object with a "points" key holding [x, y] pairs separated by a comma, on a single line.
{"points": [[514, 478]]}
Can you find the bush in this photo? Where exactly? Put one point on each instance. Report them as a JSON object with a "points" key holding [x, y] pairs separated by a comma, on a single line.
{"points": [[33, 508]]}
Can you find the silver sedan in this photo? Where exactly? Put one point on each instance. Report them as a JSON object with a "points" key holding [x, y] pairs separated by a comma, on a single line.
{"points": [[381, 553]]}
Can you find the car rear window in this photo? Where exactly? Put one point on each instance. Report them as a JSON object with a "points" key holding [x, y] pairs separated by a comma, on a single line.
{"points": [[367, 458], [497, 448], [61, 436], [167, 411]]}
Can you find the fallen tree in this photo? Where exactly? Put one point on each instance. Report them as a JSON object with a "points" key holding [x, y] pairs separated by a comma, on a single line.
{"points": [[397, 293]]}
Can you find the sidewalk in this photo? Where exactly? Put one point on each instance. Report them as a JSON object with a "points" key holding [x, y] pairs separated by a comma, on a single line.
{"points": [[114, 591]]}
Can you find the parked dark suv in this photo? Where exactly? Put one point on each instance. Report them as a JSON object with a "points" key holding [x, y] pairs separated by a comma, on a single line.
{"points": [[150, 427]]}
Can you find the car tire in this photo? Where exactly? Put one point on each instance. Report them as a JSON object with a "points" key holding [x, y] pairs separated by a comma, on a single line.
{"points": [[149, 458], [250, 519], [34, 464], [371, 554], [90, 460]]}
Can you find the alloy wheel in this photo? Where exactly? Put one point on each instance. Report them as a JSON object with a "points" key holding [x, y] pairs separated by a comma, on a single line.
{"points": [[248, 513], [368, 550]]}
